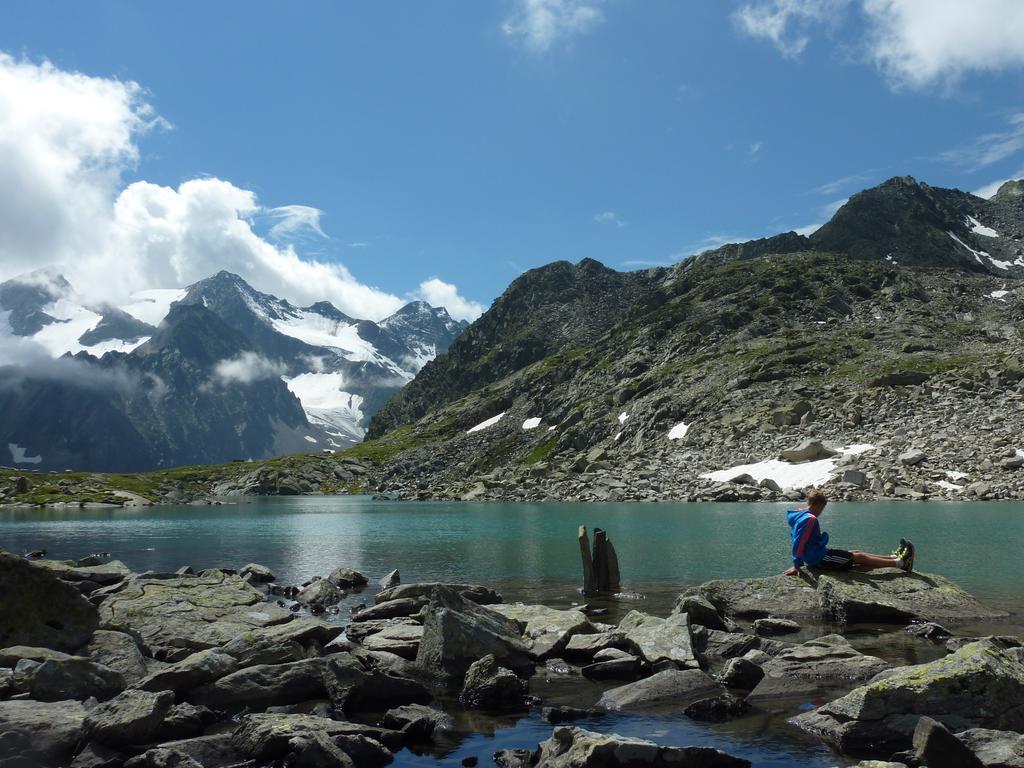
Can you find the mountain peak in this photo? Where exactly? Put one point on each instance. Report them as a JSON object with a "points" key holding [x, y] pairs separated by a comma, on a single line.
{"points": [[1011, 190]]}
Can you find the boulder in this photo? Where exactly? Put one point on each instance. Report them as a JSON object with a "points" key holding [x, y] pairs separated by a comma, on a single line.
{"points": [[320, 592], [200, 668], [74, 678], [355, 686], [316, 750], [280, 643], [912, 457], [393, 609], [929, 630], [104, 575], [557, 715], [265, 737], [458, 631], [717, 709], [624, 667], [256, 573], [741, 673], [661, 639], [264, 685], [807, 450], [514, 758], [38, 609], [826, 658], [571, 747], [675, 688], [215, 749], [9, 657], [178, 616], [98, 756], [131, 717], [775, 626], [393, 579], [6, 683], [400, 639], [885, 596], [472, 592], [346, 578], [186, 721], [417, 721], [547, 630], [492, 688], [119, 651], [40, 733], [703, 613], [996, 749], [981, 685], [936, 747], [586, 646]]}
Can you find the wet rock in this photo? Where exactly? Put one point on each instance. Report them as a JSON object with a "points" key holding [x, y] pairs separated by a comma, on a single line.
{"points": [[773, 626], [661, 639], [38, 609], [265, 737], [741, 673], [393, 579], [392, 609], [417, 721], [513, 758], [624, 667], [715, 644], [131, 717], [571, 747], [346, 578], [981, 685], [40, 733], [996, 749], [74, 678], [264, 685], [547, 630], [558, 715], [457, 632], [936, 747], [717, 709], [320, 592], [178, 616], [676, 688], [929, 630], [119, 651], [492, 688], [191, 672], [472, 592], [354, 686], [257, 574]]}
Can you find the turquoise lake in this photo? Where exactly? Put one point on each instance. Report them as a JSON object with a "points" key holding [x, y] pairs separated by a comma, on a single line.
{"points": [[530, 552]]}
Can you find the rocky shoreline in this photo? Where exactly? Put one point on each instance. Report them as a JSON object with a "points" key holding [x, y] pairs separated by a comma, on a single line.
{"points": [[101, 667]]}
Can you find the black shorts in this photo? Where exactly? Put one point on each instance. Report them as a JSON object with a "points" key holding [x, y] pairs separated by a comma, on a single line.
{"points": [[835, 560]]}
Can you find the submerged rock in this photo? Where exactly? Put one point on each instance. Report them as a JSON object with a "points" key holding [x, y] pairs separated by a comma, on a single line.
{"points": [[578, 748], [417, 721], [981, 685], [472, 592]]}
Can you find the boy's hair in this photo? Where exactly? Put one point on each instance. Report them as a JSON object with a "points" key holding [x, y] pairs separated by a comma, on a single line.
{"points": [[816, 497]]}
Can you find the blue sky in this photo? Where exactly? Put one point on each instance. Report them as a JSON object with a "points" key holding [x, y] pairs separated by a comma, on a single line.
{"points": [[469, 141]]}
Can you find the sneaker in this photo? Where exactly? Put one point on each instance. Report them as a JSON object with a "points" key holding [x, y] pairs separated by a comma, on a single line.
{"points": [[898, 552], [907, 557]]}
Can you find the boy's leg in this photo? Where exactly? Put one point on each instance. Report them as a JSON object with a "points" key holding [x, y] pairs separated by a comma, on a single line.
{"points": [[875, 561]]}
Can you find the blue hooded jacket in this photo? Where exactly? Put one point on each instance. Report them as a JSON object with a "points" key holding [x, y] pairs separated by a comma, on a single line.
{"points": [[810, 544]]}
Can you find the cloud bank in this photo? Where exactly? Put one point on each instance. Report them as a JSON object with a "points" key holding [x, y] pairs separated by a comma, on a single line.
{"points": [[66, 139]]}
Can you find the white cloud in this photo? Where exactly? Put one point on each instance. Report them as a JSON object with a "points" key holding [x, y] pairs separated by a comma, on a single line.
{"points": [[291, 220], [610, 217], [247, 367], [921, 42], [834, 186], [990, 148], [441, 294], [755, 148], [786, 24], [65, 140], [539, 24], [991, 188]]}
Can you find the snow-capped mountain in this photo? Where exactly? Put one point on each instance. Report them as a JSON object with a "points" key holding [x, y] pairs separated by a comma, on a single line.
{"points": [[340, 369]]}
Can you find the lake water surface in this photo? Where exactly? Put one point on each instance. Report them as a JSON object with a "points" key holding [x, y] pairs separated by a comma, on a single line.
{"points": [[530, 552]]}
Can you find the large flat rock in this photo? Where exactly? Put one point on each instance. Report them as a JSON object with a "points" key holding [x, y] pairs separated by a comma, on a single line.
{"points": [[40, 733], [979, 686], [579, 748], [675, 688], [883, 596], [177, 616]]}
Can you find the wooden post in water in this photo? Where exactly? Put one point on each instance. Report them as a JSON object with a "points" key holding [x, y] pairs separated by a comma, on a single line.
{"points": [[588, 563], [601, 559], [613, 567]]}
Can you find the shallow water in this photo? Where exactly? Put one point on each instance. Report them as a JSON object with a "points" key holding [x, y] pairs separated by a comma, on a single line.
{"points": [[530, 552]]}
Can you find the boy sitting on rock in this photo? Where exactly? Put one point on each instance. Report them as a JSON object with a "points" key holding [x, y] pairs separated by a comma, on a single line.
{"points": [[810, 544]]}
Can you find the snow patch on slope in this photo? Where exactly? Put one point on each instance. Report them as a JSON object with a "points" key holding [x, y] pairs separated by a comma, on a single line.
{"points": [[790, 475], [328, 405], [485, 424], [980, 229]]}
